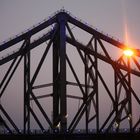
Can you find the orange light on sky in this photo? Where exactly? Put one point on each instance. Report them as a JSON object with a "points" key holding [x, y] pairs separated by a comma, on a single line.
{"points": [[128, 52], [128, 42]]}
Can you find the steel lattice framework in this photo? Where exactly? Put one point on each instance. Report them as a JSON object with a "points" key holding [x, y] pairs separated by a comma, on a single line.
{"points": [[58, 38]]}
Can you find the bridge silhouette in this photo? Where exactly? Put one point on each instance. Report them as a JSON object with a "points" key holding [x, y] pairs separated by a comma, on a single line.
{"points": [[59, 37]]}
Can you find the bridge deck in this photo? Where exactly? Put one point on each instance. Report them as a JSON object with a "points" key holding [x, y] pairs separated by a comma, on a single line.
{"points": [[122, 136]]}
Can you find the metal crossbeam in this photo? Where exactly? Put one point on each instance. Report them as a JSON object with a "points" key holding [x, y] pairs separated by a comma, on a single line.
{"points": [[59, 39]]}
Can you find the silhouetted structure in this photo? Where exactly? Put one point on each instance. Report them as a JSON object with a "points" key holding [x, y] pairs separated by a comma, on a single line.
{"points": [[58, 37], [1, 121]]}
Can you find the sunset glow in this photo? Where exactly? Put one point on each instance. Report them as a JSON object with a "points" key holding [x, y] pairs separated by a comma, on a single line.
{"points": [[128, 52]]}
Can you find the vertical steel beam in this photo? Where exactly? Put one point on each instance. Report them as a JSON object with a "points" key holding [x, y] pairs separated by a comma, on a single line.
{"points": [[96, 86], [129, 95], [63, 102], [86, 93], [56, 81], [116, 99], [27, 90]]}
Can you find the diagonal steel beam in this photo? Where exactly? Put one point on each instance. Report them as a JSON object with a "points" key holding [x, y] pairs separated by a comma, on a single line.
{"points": [[99, 56], [9, 119], [30, 47], [41, 109], [28, 34]]}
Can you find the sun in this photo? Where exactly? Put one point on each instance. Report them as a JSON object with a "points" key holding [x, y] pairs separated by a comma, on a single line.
{"points": [[128, 52]]}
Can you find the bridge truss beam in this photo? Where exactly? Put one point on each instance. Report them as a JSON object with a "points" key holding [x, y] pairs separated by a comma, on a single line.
{"points": [[60, 35]]}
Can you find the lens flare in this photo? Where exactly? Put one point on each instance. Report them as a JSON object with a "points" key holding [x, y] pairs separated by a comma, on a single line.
{"points": [[128, 52]]}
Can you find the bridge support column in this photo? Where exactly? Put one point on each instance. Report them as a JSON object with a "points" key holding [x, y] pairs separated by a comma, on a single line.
{"points": [[129, 96], [59, 77], [63, 102], [27, 90], [96, 85], [56, 91]]}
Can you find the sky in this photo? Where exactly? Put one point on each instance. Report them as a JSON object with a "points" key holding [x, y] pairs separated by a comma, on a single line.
{"points": [[17, 15], [118, 18]]}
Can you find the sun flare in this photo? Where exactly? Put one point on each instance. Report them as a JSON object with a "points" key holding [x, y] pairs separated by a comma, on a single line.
{"points": [[128, 52]]}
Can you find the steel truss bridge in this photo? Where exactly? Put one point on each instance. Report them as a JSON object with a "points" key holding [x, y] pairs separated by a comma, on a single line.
{"points": [[87, 83]]}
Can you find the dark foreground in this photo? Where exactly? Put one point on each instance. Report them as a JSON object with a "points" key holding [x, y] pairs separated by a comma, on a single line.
{"points": [[122, 136]]}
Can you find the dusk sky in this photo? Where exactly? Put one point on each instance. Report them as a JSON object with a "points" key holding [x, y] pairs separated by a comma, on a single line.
{"points": [[108, 15], [118, 18]]}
